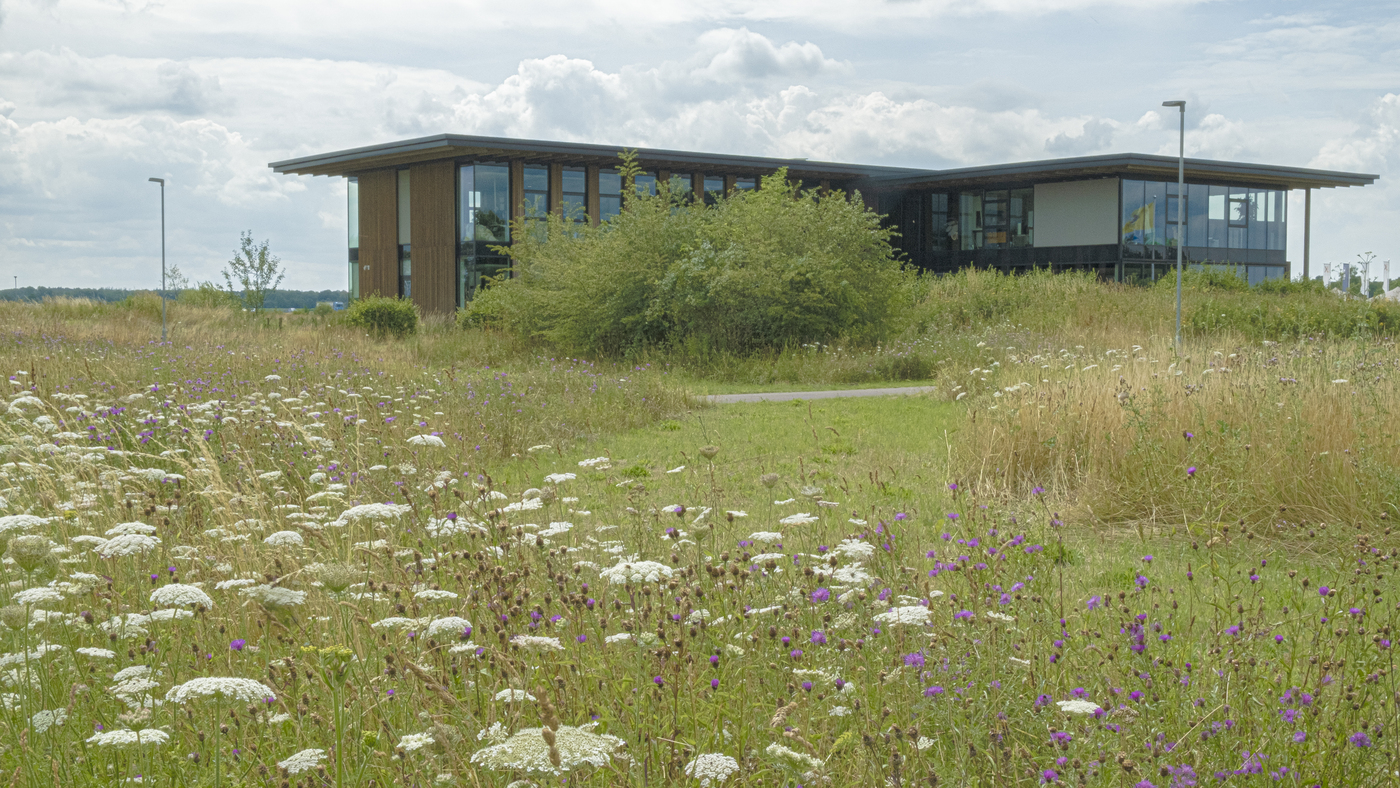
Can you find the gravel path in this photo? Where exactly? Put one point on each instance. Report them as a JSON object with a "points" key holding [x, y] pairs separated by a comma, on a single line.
{"points": [[784, 396]]}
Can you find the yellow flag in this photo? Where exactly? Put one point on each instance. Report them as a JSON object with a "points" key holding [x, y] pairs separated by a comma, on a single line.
{"points": [[1141, 228]]}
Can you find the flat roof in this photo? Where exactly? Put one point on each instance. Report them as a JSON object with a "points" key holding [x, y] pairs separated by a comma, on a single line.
{"points": [[450, 146], [1141, 165], [1146, 166]]}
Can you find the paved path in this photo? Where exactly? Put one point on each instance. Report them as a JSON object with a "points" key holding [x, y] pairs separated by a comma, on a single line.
{"points": [[784, 396]]}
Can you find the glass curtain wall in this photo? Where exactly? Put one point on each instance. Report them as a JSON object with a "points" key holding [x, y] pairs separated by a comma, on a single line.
{"points": [[483, 222], [609, 194], [1237, 228], [405, 238], [536, 199], [681, 186], [352, 231], [714, 188], [575, 191]]}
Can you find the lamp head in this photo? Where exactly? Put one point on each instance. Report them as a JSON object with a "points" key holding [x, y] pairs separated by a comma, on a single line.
{"points": [[161, 181], [1180, 104]]}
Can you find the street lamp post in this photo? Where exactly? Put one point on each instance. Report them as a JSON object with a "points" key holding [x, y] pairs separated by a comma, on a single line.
{"points": [[161, 181], [1180, 210]]}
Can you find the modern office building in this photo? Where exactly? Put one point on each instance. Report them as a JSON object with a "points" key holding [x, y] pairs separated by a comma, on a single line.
{"points": [[426, 216]]}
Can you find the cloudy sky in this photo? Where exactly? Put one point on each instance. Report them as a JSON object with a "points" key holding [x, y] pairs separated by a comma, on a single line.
{"points": [[98, 95]]}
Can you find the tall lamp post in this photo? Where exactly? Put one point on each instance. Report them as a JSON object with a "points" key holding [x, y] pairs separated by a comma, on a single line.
{"points": [[161, 181], [1180, 210]]}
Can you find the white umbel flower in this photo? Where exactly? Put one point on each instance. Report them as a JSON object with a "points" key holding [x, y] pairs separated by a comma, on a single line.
{"points": [[275, 596], [513, 695], [426, 440], [127, 544], [1078, 706], [854, 549], [560, 478], [766, 537], [624, 572], [415, 741], [712, 767], [910, 614], [304, 761], [526, 751], [227, 688], [372, 511], [284, 539], [801, 760], [35, 596], [537, 643], [181, 595], [97, 653], [48, 718], [434, 595], [126, 738], [995, 616], [450, 625], [122, 529], [801, 518]]}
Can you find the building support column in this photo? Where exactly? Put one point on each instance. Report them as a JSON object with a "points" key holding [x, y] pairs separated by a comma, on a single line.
{"points": [[593, 207], [1307, 232]]}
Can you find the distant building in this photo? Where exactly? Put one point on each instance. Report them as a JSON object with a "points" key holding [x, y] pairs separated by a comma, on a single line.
{"points": [[425, 213]]}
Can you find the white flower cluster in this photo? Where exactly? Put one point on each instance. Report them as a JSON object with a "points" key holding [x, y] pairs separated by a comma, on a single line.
{"points": [[596, 462], [766, 537], [559, 478], [624, 572], [513, 695], [854, 549], [275, 596], [372, 511], [434, 595], [284, 539], [415, 741], [909, 614], [181, 595], [35, 596], [304, 761], [450, 625], [48, 718], [801, 518], [527, 751], [228, 688], [799, 760], [127, 544], [537, 643], [712, 767], [1078, 706], [125, 738], [426, 440]]}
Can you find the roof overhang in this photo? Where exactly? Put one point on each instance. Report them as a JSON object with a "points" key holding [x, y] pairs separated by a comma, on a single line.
{"points": [[461, 146], [1133, 165]]}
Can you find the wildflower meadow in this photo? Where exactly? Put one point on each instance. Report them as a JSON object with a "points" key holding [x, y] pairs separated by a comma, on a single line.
{"points": [[310, 558]]}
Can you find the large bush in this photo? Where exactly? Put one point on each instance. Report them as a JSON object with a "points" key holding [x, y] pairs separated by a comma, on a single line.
{"points": [[381, 316], [761, 269]]}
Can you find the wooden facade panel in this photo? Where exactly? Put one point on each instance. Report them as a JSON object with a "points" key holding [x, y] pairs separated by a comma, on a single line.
{"points": [[556, 189], [433, 205], [379, 249], [590, 175]]}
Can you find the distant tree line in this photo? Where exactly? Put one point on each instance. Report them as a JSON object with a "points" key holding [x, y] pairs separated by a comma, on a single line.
{"points": [[275, 299]]}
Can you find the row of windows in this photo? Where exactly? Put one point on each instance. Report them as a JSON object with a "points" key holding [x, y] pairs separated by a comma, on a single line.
{"points": [[1220, 217], [966, 221], [483, 218], [1146, 273]]}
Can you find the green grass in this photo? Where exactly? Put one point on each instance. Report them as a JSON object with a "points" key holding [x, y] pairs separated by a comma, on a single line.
{"points": [[701, 387]]}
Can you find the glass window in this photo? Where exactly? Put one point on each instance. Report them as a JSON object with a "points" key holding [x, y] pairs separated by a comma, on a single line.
{"points": [[1135, 219], [646, 183], [1258, 219], [1216, 236], [969, 221], [714, 187], [484, 204], [1176, 211], [352, 212], [405, 272], [404, 215], [1278, 220], [994, 219], [1197, 204], [1154, 207], [575, 191], [609, 194], [1021, 217], [536, 198], [681, 185], [744, 184], [1239, 218], [942, 227]]}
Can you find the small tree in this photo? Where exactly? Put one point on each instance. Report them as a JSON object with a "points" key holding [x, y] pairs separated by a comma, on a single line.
{"points": [[255, 269]]}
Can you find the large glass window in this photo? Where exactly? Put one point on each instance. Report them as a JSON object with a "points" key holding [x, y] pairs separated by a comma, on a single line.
{"points": [[352, 231], [970, 221], [575, 192], [745, 184], [1176, 216], [1278, 228], [536, 199], [609, 194], [484, 203], [1021, 217], [645, 183], [681, 186], [405, 271], [1136, 216], [1216, 226], [483, 221], [1154, 207], [714, 188], [1197, 205], [994, 217], [1239, 218]]}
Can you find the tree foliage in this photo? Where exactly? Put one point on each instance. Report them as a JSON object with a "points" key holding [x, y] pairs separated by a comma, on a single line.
{"points": [[760, 269], [253, 271]]}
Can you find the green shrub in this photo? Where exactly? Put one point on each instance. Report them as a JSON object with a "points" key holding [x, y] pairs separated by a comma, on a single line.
{"points": [[324, 309], [1303, 314], [759, 270], [1212, 278], [209, 296], [396, 317], [143, 302]]}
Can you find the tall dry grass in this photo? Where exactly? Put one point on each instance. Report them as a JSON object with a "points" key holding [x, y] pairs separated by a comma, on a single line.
{"points": [[1233, 430]]}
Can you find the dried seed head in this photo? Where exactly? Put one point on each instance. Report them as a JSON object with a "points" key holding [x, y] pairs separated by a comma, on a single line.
{"points": [[709, 452], [768, 480], [30, 551], [337, 577], [14, 617]]}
